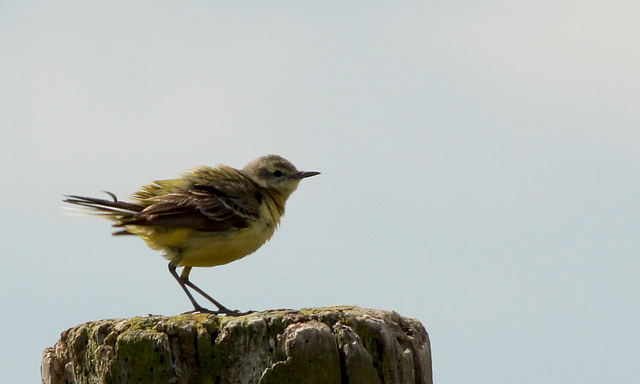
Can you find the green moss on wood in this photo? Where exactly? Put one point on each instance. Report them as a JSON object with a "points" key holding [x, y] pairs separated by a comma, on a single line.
{"points": [[320, 345]]}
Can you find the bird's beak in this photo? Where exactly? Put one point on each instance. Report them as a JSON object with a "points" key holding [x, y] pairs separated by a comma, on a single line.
{"points": [[302, 175]]}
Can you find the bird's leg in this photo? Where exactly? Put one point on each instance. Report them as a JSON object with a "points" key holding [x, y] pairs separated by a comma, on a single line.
{"points": [[184, 282], [180, 280]]}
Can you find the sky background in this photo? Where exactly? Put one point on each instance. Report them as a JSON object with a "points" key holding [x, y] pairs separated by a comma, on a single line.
{"points": [[479, 168]]}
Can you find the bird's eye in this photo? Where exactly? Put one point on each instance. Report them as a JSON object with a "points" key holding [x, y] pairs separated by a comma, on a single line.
{"points": [[277, 173]]}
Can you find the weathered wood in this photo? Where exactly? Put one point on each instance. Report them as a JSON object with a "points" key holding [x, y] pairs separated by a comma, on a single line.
{"points": [[322, 345]]}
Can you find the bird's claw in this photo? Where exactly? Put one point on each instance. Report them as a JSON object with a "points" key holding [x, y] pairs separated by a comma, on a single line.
{"points": [[220, 311]]}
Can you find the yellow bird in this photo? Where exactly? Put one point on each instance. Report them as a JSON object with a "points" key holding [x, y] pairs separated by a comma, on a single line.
{"points": [[207, 217]]}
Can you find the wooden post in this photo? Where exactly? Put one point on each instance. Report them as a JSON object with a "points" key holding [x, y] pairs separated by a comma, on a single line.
{"points": [[320, 345]]}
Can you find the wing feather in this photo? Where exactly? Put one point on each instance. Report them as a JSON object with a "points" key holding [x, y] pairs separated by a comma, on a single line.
{"points": [[229, 204]]}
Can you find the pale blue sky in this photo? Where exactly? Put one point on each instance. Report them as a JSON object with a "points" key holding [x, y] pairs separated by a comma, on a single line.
{"points": [[479, 168]]}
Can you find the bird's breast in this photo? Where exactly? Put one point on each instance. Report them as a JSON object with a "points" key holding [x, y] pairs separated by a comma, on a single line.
{"points": [[208, 249], [192, 248]]}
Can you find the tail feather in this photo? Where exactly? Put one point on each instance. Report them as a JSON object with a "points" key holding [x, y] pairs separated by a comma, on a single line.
{"points": [[115, 209]]}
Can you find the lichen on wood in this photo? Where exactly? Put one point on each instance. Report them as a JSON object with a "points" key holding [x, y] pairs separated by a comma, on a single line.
{"points": [[320, 345]]}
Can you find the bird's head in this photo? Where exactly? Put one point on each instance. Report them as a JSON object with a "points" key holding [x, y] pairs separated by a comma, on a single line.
{"points": [[276, 173]]}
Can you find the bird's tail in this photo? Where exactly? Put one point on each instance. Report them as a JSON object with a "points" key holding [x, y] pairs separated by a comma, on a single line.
{"points": [[109, 209]]}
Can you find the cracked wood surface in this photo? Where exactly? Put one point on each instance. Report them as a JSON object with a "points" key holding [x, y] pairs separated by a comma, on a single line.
{"points": [[319, 345]]}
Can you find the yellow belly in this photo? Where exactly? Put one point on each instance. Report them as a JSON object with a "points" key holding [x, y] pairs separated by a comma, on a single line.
{"points": [[190, 248]]}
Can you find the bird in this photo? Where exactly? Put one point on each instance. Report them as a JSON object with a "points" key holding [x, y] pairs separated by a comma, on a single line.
{"points": [[208, 216]]}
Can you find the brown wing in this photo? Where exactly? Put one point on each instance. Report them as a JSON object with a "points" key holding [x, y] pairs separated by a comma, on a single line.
{"points": [[229, 205]]}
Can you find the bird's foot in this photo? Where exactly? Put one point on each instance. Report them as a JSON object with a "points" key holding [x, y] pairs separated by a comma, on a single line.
{"points": [[235, 312], [221, 311]]}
